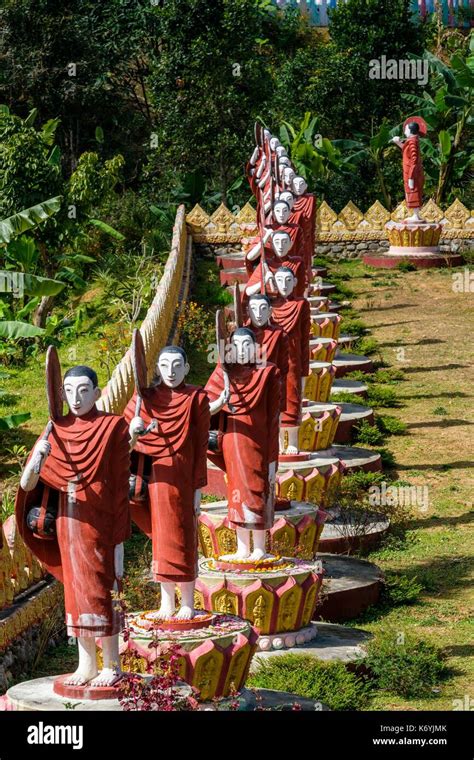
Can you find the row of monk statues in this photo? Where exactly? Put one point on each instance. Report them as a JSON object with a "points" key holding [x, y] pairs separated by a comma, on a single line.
{"points": [[92, 473]]}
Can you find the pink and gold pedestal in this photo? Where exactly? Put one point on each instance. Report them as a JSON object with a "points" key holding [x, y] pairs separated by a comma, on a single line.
{"points": [[413, 242], [214, 650], [278, 597]]}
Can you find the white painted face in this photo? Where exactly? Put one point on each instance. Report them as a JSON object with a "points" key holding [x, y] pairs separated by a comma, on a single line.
{"points": [[284, 162], [267, 134], [285, 282], [172, 369], [80, 394], [243, 349], [274, 143], [406, 131], [288, 175], [288, 197], [281, 212], [299, 185], [259, 312], [281, 152], [281, 243]]}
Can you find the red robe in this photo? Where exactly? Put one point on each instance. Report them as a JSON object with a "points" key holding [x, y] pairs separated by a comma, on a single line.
{"points": [[295, 263], [304, 214], [413, 169], [249, 441], [295, 232], [178, 469], [294, 316], [89, 459], [273, 341]]}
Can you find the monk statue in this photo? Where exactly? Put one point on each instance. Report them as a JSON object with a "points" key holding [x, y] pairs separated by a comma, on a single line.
{"points": [[294, 316], [304, 214], [247, 440], [172, 459], [72, 511], [276, 256], [271, 338], [413, 177]]}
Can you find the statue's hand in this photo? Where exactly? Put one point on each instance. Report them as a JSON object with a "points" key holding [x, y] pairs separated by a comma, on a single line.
{"points": [[224, 397], [395, 139], [137, 427], [42, 449], [267, 235]]}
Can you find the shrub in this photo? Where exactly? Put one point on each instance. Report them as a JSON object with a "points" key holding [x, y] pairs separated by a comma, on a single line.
{"points": [[348, 398], [441, 411], [388, 459], [410, 668], [367, 346], [390, 375], [390, 425], [353, 326], [400, 589], [381, 396], [369, 434], [406, 266], [327, 682]]}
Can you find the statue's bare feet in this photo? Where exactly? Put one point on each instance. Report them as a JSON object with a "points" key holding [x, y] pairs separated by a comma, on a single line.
{"points": [[165, 612], [259, 554], [106, 677], [414, 219], [291, 450], [237, 555], [80, 677], [185, 613]]}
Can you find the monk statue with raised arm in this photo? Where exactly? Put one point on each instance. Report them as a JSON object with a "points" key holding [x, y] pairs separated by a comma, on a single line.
{"points": [[171, 459], [72, 511], [293, 315], [246, 448]]}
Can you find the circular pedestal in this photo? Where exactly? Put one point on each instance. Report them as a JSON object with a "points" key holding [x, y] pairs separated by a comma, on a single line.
{"points": [[355, 458], [317, 385], [348, 386], [318, 303], [344, 532], [326, 325], [347, 340], [319, 271], [212, 659], [309, 480], [333, 643], [420, 260], [68, 691], [39, 695], [295, 532], [351, 416], [345, 363], [350, 587], [322, 349], [275, 601], [334, 307]]}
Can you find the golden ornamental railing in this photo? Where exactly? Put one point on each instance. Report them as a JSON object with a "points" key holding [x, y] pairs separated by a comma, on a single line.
{"points": [[350, 224]]}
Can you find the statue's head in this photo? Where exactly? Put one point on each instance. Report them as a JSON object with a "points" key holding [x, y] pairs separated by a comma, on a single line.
{"points": [[243, 345], [281, 243], [172, 366], [288, 175], [288, 197], [80, 389], [260, 309], [281, 211], [274, 143], [267, 134], [285, 281], [412, 128], [284, 162], [299, 185], [281, 152]]}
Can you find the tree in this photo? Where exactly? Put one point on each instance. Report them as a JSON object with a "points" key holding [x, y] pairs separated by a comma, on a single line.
{"points": [[209, 81]]}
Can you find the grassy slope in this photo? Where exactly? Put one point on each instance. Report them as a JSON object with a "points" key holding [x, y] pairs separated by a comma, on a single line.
{"points": [[419, 312]]}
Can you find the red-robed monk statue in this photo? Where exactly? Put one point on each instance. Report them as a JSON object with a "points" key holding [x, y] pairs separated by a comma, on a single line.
{"points": [[277, 256], [246, 445], [173, 460], [294, 316], [72, 511], [413, 177], [271, 338]]}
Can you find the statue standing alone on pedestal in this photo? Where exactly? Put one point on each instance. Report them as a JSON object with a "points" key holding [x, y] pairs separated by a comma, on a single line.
{"points": [[413, 177]]}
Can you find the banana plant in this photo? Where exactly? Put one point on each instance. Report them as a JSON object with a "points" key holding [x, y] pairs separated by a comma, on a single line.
{"points": [[27, 219]]}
